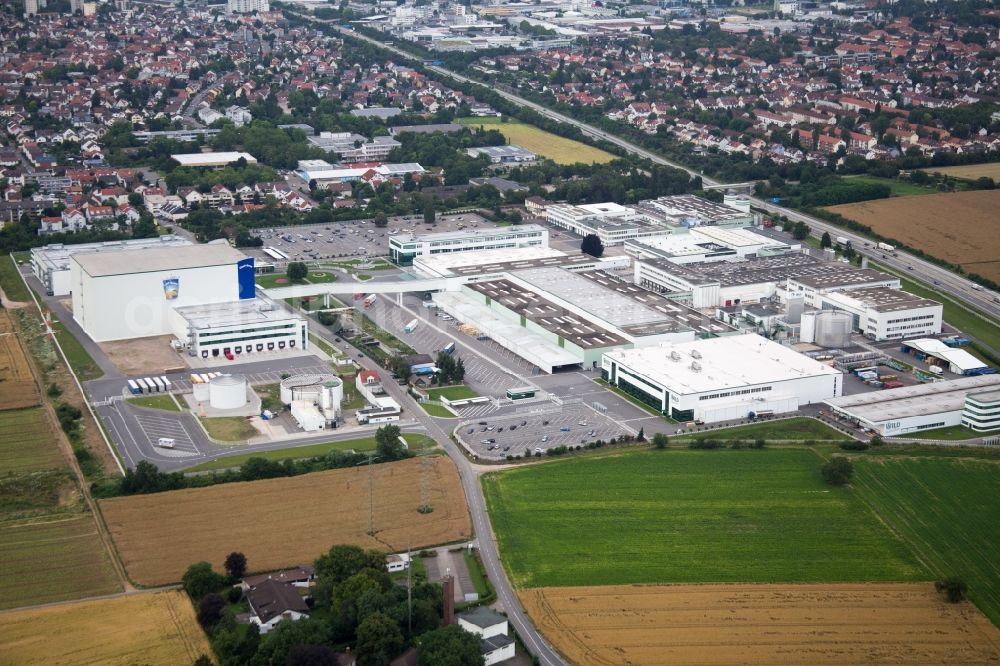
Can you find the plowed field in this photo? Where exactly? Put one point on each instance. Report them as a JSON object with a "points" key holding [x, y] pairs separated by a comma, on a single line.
{"points": [[155, 628], [905, 623], [961, 227], [283, 522]]}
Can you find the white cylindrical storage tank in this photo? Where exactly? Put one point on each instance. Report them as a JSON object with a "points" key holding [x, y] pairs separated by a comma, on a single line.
{"points": [[833, 328], [228, 392], [200, 391], [333, 394]]}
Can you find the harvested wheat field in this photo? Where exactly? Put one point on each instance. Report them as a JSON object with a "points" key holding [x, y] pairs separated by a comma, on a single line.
{"points": [[969, 171], [153, 628], [884, 623], [284, 522], [960, 227], [17, 385]]}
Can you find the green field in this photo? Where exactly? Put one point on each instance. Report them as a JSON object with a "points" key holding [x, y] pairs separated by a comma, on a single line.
{"points": [[900, 188], [439, 411], [11, 281], [952, 433], [229, 428], [452, 393], [164, 402], [947, 511], [799, 428], [53, 559], [416, 442], [688, 517], [84, 366], [558, 149], [28, 442]]}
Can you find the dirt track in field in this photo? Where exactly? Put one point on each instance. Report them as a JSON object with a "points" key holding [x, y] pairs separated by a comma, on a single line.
{"points": [[960, 227], [885, 623]]}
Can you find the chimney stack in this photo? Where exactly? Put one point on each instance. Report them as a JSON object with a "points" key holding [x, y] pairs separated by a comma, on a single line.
{"points": [[449, 600]]}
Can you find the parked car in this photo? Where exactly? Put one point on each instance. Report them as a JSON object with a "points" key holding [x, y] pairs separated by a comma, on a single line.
{"points": [[545, 438], [564, 429]]}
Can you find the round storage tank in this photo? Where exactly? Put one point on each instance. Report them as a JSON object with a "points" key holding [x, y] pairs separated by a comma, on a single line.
{"points": [[306, 387], [833, 329], [333, 393], [228, 392]]}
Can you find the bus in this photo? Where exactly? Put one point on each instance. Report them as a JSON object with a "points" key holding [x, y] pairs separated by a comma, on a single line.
{"points": [[133, 387], [521, 393], [448, 348], [412, 326]]}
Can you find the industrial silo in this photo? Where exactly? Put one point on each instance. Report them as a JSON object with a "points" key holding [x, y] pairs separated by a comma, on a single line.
{"points": [[833, 329], [228, 392]]}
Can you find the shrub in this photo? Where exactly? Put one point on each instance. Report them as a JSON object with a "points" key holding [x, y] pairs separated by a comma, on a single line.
{"points": [[854, 446], [705, 444], [954, 588], [838, 471], [210, 610], [199, 580]]}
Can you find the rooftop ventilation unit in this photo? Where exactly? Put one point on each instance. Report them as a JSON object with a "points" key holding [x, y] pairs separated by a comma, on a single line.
{"points": [[695, 366], [675, 356], [695, 354]]}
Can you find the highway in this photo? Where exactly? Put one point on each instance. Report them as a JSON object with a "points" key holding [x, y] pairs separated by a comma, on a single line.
{"points": [[937, 278]]}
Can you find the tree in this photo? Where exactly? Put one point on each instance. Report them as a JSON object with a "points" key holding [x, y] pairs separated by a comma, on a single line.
{"points": [[381, 220], [236, 565], [343, 561], [838, 471], [387, 443], [660, 441], [826, 241], [429, 211], [641, 437], [400, 367], [379, 640], [199, 580], [311, 655], [800, 231], [953, 587], [297, 271], [210, 610], [592, 245], [449, 646]]}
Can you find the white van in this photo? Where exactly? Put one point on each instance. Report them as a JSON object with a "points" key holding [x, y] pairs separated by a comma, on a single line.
{"points": [[165, 442]]}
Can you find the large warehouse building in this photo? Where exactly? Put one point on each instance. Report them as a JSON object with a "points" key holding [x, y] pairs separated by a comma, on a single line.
{"points": [[720, 379], [970, 401], [202, 294], [404, 248]]}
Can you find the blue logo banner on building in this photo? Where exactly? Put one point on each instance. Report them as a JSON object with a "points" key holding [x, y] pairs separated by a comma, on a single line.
{"points": [[171, 288], [245, 274]]}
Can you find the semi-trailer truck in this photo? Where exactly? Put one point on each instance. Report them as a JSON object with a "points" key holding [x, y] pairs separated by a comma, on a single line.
{"points": [[133, 387], [448, 348], [370, 300], [885, 247]]}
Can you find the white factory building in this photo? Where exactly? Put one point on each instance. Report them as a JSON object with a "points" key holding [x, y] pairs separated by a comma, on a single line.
{"points": [[204, 295], [724, 378], [612, 223], [887, 314], [51, 263], [403, 248], [707, 243], [910, 410], [211, 160]]}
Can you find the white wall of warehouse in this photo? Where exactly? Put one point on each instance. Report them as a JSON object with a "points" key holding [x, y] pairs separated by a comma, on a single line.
{"points": [[121, 307]]}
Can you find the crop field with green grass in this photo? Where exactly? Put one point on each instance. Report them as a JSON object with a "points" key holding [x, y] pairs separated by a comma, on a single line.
{"points": [[28, 442], [559, 149], [688, 516], [452, 393], [946, 511], [52, 559]]}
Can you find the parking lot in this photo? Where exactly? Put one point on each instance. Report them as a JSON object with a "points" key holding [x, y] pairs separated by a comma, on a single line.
{"points": [[432, 334], [534, 431], [353, 238], [155, 426]]}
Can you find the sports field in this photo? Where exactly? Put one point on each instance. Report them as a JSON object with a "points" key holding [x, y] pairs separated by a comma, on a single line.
{"points": [[54, 558], [559, 149], [154, 628], [969, 171], [289, 521], [946, 510], [885, 623], [688, 516], [960, 227]]}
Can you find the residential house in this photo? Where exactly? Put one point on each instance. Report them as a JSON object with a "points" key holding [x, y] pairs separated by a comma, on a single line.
{"points": [[272, 601]]}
